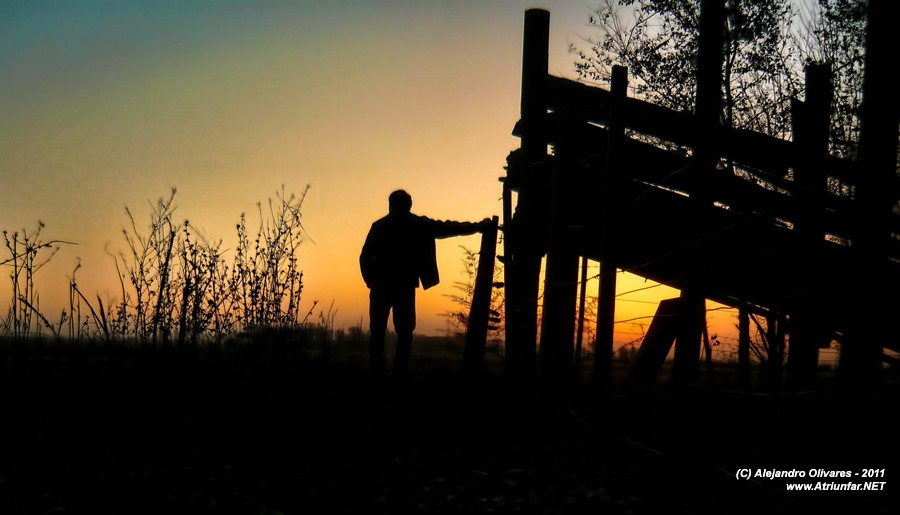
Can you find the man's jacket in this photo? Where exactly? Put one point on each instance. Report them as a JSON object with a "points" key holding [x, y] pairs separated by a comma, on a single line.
{"points": [[400, 250]]}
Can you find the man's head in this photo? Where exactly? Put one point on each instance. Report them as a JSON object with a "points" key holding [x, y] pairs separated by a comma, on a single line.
{"points": [[399, 202]]}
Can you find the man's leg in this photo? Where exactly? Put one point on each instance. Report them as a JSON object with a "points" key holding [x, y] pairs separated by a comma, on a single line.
{"points": [[379, 308], [404, 325]]}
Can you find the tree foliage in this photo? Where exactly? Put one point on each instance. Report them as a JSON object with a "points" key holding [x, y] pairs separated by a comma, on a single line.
{"points": [[766, 45], [834, 31]]}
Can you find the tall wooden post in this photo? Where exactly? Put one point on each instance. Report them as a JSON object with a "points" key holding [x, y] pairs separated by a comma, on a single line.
{"points": [[606, 296], [877, 183], [707, 133], [811, 125], [479, 311], [877, 194], [523, 258], [507, 221], [582, 301], [561, 275], [811, 122]]}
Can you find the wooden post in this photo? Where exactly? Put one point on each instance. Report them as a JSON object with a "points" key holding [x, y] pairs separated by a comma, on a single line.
{"points": [[507, 221], [582, 301], [506, 260], [877, 185], [811, 125], [479, 311], [535, 54], [523, 256], [690, 334], [877, 194], [811, 122], [606, 295], [708, 103], [707, 135], [561, 275]]}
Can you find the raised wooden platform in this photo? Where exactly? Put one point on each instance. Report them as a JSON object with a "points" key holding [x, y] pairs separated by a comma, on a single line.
{"points": [[738, 217]]}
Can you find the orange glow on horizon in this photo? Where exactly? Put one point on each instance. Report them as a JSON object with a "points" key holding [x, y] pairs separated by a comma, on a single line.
{"points": [[111, 109]]}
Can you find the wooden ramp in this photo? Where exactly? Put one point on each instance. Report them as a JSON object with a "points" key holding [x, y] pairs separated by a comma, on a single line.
{"points": [[737, 217]]}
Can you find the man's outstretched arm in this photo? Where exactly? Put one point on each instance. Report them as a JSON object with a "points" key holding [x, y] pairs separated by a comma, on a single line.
{"points": [[449, 228]]}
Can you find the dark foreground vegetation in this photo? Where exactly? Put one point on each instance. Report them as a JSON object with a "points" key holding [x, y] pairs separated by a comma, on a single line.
{"points": [[277, 426]]}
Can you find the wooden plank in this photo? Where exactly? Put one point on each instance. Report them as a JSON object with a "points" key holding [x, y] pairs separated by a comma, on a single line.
{"points": [[650, 164], [770, 157], [742, 260], [656, 344], [644, 117]]}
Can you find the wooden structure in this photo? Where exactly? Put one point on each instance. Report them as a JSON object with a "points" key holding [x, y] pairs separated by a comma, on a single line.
{"points": [[732, 216]]}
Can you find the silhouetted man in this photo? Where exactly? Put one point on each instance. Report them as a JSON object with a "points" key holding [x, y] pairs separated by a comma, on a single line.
{"points": [[399, 253]]}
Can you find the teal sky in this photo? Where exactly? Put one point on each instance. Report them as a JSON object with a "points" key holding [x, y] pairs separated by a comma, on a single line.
{"points": [[107, 104]]}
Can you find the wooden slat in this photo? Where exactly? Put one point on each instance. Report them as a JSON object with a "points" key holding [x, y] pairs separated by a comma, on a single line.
{"points": [[651, 164], [771, 157]]}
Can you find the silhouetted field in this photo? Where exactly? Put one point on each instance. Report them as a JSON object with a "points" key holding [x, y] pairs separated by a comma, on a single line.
{"points": [[265, 428]]}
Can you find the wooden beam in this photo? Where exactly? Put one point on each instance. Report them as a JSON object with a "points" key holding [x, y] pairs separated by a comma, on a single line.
{"points": [[768, 156], [656, 344]]}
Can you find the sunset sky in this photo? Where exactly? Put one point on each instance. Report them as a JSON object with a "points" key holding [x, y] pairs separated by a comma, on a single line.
{"points": [[111, 104]]}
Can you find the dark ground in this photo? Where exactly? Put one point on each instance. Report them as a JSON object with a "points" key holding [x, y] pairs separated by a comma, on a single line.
{"points": [[132, 431]]}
